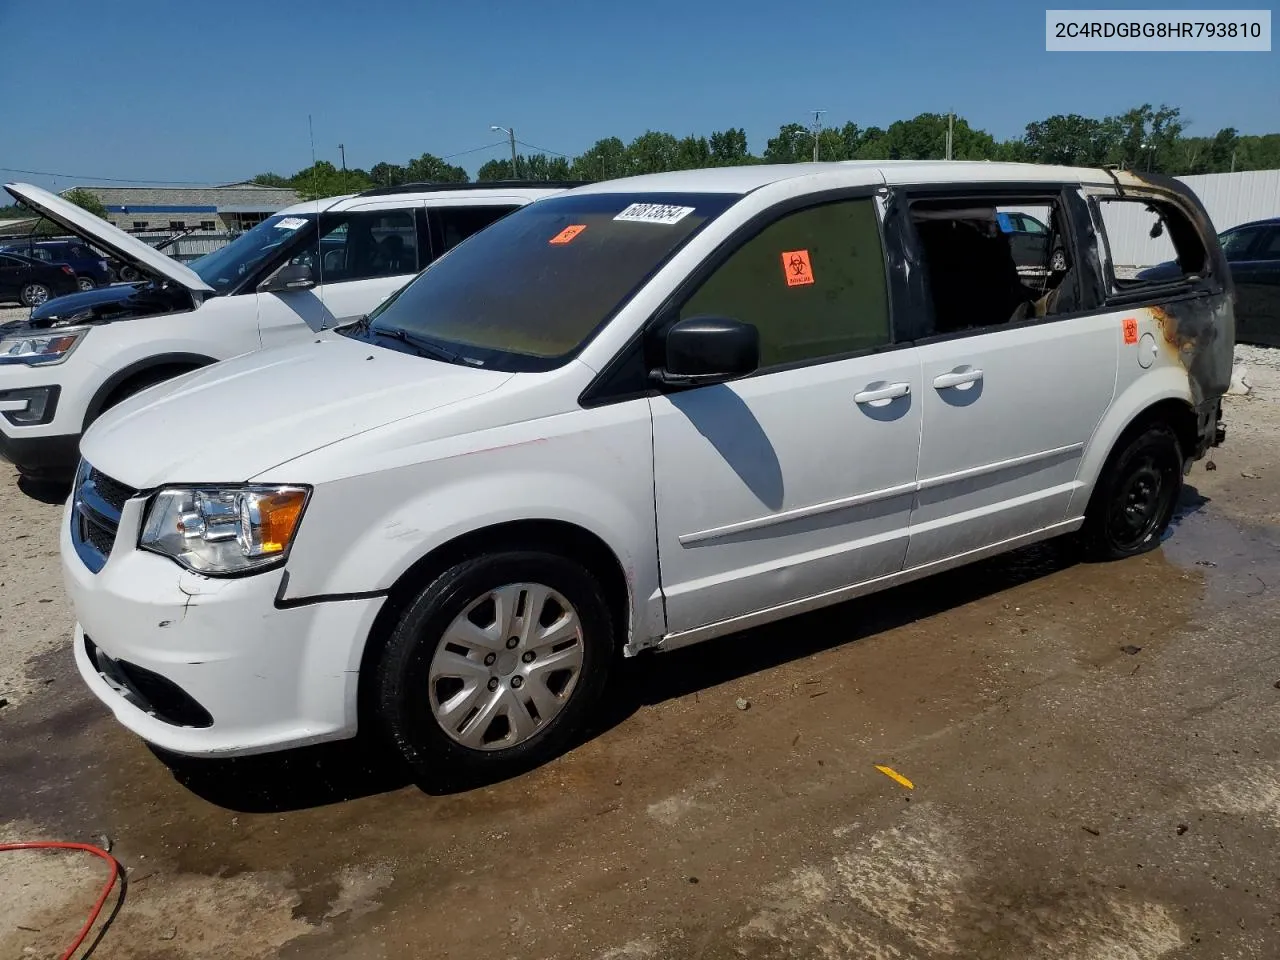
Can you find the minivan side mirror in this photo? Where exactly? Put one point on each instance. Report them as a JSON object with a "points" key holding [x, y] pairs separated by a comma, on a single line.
{"points": [[705, 350], [292, 276]]}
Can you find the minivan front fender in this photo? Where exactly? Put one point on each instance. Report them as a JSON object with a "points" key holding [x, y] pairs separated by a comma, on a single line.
{"points": [[362, 533]]}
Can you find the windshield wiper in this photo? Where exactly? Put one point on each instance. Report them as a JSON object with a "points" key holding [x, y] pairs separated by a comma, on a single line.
{"points": [[422, 345], [355, 328]]}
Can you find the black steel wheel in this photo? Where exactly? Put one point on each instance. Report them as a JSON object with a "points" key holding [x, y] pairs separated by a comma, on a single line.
{"points": [[1134, 501]]}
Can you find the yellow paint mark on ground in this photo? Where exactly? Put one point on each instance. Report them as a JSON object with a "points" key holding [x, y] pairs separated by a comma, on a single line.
{"points": [[893, 774]]}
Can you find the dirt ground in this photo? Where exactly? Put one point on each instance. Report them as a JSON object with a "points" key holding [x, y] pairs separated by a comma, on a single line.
{"points": [[1094, 752]]}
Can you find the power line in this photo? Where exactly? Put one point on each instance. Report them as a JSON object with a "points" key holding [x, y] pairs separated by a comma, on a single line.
{"points": [[463, 153], [544, 150], [74, 176], [212, 183]]}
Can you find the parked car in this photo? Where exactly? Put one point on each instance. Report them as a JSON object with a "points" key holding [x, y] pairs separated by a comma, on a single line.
{"points": [[285, 280], [630, 417], [32, 282], [1030, 241], [91, 269], [1253, 251]]}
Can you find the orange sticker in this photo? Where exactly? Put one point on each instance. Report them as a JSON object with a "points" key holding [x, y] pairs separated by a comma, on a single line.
{"points": [[568, 233], [1130, 330], [796, 268]]}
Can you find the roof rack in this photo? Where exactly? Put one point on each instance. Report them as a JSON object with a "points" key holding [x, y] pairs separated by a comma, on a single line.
{"points": [[481, 185]]}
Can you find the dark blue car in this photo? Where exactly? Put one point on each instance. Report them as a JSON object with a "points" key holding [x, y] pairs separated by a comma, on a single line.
{"points": [[91, 269]]}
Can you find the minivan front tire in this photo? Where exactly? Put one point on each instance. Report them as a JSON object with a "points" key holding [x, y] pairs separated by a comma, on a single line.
{"points": [[1136, 496], [495, 666]]}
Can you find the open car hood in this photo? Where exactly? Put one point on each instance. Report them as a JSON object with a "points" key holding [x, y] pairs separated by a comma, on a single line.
{"points": [[97, 231]]}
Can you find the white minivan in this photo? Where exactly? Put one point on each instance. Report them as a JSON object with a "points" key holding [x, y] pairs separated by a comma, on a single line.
{"points": [[635, 416], [281, 282]]}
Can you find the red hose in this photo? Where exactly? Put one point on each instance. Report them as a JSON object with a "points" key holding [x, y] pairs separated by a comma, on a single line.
{"points": [[102, 897]]}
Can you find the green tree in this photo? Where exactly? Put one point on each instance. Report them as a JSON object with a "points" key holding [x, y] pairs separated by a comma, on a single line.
{"points": [[793, 144], [924, 137], [692, 153], [271, 180], [873, 144], [605, 160], [323, 179], [729, 148], [429, 168], [538, 166], [86, 200], [652, 152], [1071, 140], [1145, 138], [387, 174], [494, 170]]}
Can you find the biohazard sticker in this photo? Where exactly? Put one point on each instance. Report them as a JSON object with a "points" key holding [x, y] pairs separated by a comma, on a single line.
{"points": [[663, 213], [568, 233], [797, 268], [291, 223], [1130, 330]]}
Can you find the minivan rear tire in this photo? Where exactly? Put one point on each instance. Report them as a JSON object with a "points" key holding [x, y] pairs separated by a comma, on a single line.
{"points": [[1136, 496], [413, 684]]}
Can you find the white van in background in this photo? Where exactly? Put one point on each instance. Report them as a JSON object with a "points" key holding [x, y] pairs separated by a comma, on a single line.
{"points": [[284, 280]]}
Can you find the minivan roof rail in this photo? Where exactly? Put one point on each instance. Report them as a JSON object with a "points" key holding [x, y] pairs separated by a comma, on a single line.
{"points": [[481, 185]]}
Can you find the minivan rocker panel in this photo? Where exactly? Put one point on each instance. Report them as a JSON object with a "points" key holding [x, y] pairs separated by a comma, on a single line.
{"points": [[637, 415]]}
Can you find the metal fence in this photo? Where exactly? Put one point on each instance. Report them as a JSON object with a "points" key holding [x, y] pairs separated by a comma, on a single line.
{"points": [[1230, 198], [187, 247]]}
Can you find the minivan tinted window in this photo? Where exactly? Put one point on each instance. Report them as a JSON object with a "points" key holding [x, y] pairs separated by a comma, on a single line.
{"points": [[528, 291]]}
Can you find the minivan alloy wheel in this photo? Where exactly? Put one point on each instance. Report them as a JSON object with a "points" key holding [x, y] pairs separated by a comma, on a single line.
{"points": [[505, 666]]}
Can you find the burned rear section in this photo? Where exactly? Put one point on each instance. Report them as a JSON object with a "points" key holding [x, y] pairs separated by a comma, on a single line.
{"points": [[1188, 291]]}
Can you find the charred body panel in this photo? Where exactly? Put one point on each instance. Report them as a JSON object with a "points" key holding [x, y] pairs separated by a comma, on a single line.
{"points": [[1199, 326]]}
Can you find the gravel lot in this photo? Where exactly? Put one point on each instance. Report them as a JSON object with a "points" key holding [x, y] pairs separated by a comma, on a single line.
{"points": [[1095, 760]]}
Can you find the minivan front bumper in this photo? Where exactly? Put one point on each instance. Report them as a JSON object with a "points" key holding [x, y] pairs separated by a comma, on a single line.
{"points": [[210, 667]]}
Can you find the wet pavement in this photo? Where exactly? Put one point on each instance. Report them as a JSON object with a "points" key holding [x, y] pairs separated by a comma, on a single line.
{"points": [[1093, 750]]}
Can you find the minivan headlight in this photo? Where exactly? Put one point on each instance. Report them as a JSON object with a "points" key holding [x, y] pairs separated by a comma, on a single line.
{"points": [[222, 531], [40, 349]]}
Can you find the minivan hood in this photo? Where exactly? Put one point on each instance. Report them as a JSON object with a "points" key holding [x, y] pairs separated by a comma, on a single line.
{"points": [[102, 234], [231, 421]]}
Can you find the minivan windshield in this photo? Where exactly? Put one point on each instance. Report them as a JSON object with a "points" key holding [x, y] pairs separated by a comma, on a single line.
{"points": [[225, 268], [528, 291]]}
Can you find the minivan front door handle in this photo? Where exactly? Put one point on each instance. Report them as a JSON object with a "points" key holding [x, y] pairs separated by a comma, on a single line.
{"points": [[890, 391], [957, 378]]}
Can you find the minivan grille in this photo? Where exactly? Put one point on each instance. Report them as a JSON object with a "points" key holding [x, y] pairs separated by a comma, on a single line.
{"points": [[98, 501]]}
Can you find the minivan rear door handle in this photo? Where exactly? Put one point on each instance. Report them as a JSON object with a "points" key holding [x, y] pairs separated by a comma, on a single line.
{"points": [[890, 391], [957, 378]]}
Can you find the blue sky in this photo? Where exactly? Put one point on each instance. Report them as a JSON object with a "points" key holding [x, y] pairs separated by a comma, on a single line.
{"points": [[214, 92]]}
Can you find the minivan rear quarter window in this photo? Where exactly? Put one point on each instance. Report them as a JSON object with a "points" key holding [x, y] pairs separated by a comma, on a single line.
{"points": [[1150, 242], [527, 292]]}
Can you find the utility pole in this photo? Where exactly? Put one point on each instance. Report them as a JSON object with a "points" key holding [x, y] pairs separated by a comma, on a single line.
{"points": [[951, 116], [817, 129], [511, 132], [343, 150], [1233, 161]]}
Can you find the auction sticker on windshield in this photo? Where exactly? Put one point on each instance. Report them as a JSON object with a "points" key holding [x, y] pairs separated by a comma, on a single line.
{"points": [[654, 213], [290, 223], [568, 233]]}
